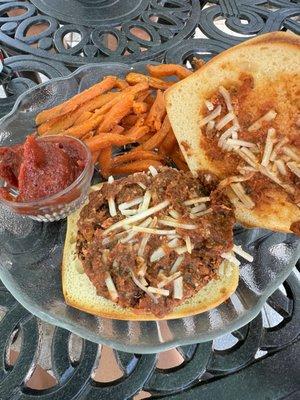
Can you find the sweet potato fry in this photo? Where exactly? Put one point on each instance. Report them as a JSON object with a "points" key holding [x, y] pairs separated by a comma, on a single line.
{"points": [[104, 140], [129, 120], [135, 166], [157, 112], [137, 131], [57, 125], [105, 161], [158, 137], [168, 144], [177, 158], [134, 78], [162, 70], [116, 114], [143, 96], [139, 107], [121, 84], [72, 104], [85, 127], [117, 129], [135, 156], [83, 117]]}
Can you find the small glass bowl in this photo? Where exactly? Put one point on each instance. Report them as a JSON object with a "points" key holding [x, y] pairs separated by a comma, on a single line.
{"points": [[63, 203]]}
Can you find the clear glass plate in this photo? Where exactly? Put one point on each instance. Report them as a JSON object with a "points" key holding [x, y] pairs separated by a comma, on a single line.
{"points": [[30, 253]]}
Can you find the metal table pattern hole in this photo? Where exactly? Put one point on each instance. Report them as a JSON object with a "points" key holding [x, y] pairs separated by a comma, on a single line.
{"points": [[77, 366]]}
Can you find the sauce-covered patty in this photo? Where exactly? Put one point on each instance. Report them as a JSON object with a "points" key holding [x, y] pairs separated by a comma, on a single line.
{"points": [[39, 169], [150, 241]]}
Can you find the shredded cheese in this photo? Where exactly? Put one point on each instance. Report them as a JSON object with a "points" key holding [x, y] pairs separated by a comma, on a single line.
{"points": [[291, 153], [244, 143], [294, 168], [211, 116], [142, 185], [201, 213], [188, 243], [111, 287], [177, 224], [181, 250], [268, 147], [226, 96], [246, 157], [146, 201], [133, 233], [143, 287], [161, 292], [238, 250], [240, 192], [235, 179], [157, 254], [230, 257], [145, 239], [198, 208], [209, 105], [269, 116], [140, 216], [153, 171], [166, 280], [280, 164], [225, 120], [227, 134], [176, 264], [174, 214], [178, 288], [129, 204], [129, 212], [196, 200], [111, 201], [210, 126], [152, 231], [143, 281], [277, 147], [275, 179]]}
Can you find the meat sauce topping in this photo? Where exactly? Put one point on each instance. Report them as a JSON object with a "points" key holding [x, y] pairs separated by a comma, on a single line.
{"points": [[254, 155], [39, 169], [150, 242]]}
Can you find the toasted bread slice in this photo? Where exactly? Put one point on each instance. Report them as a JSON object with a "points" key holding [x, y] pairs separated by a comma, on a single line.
{"points": [[80, 293], [273, 61]]}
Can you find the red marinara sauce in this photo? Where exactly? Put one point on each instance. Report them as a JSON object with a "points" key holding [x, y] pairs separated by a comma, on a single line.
{"points": [[40, 168]]}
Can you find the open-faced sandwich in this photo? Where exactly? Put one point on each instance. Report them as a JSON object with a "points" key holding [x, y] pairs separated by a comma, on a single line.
{"points": [[239, 117], [151, 246]]}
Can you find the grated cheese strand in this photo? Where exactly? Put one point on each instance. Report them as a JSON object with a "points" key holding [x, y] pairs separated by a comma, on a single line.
{"points": [[145, 239], [225, 120], [211, 116], [176, 264], [137, 217], [291, 153], [111, 287], [244, 143], [146, 201], [178, 288], [269, 116], [268, 147], [152, 231], [177, 224], [227, 134], [230, 257], [226, 96], [162, 292], [188, 243], [129, 204], [294, 168], [240, 192], [153, 171], [133, 233], [174, 214], [143, 287], [201, 213], [166, 280], [277, 147], [111, 201], [280, 164], [196, 200], [238, 250], [198, 208], [209, 105]]}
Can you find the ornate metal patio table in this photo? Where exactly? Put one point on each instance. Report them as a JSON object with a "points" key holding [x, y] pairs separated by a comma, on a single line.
{"points": [[255, 362]]}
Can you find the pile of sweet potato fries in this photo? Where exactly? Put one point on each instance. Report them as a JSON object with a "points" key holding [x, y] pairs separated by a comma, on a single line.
{"points": [[116, 112]]}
